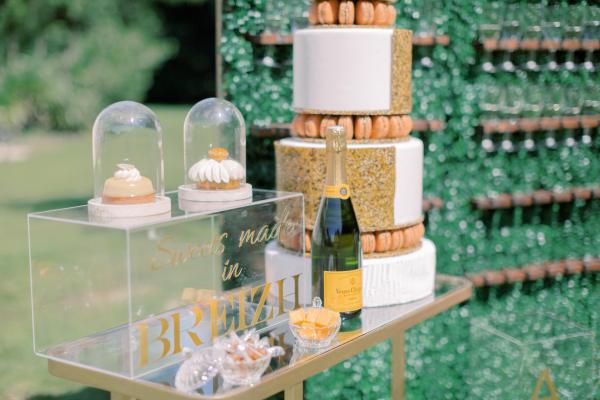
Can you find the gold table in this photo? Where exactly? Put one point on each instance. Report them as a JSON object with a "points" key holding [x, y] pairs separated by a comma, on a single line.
{"points": [[288, 374]]}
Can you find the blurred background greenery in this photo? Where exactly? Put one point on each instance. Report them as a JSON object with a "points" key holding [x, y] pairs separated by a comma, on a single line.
{"points": [[61, 63]]}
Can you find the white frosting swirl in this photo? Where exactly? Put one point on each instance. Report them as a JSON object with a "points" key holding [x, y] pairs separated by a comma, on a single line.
{"points": [[215, 171], [128, 172]]}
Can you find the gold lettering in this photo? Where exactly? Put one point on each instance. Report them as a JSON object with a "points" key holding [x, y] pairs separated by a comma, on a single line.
{"points": [[280, 296], [216, 317], [296, 291], [143, 328], [197, 311], [242, 309], [261, 303], [263, 234]]}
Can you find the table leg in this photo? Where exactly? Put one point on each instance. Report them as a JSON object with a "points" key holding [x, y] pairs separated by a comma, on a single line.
{"points": [[295, 392], [119, 396], [398, 366]]}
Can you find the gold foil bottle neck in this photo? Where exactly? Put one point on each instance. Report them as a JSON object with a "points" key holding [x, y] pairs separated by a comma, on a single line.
{"points": [[336, 138]]}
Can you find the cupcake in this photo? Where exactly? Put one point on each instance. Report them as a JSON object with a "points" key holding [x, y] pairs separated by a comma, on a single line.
{"points": [[217, 171], [127, 186]]}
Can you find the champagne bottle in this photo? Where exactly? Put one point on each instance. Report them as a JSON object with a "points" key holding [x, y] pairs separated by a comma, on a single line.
{"points": [[336, 251]]}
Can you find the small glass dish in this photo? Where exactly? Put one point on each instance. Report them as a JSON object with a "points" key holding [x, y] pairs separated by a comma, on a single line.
{"points": [[314, 327], [244, 359]]}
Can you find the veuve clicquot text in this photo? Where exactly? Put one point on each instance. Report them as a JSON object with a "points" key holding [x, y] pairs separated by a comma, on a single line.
{"points": [[336, 251]]}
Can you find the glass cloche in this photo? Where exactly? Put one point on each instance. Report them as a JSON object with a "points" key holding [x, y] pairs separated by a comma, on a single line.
{"points": [[214, 137], [128, 162]]}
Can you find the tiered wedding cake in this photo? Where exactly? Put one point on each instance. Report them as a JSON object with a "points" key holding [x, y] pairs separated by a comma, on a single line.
{"points": [[351, 68]]}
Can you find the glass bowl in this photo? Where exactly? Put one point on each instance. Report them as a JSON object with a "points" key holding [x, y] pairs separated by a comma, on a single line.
{"points": [[314, 327], [242, 360]]}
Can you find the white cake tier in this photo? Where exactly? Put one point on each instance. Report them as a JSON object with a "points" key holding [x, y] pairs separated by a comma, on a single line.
{"points": [[352, 70], [386, 280], [386, 179]]}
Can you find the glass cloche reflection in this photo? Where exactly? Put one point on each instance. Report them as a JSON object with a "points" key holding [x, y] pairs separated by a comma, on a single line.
{"points": [[214, 136], [128, 162]]}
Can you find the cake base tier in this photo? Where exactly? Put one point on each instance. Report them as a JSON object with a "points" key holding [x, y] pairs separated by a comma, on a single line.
{"points": [[386, 280], [103, 211]]}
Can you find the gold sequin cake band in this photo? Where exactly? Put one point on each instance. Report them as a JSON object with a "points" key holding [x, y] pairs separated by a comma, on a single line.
{"points": [[371, 174]]}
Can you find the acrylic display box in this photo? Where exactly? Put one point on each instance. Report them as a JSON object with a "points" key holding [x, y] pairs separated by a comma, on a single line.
{"points": [[127, 297]]}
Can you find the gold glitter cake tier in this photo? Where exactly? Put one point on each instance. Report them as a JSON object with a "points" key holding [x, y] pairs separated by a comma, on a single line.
{"points": [[358, 127], [385, 180]]}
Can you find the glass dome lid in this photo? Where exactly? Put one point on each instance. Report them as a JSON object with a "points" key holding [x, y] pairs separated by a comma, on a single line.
{"points": [[214, 137], [127, 154]]}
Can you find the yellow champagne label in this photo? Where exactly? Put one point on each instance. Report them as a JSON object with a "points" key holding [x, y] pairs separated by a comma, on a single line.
{"points": [[337, 191], [343, 290]]}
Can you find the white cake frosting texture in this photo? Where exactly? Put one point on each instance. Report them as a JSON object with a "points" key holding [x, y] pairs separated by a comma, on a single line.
{"points": [[209, 170], [128, 172], [343, 69]]}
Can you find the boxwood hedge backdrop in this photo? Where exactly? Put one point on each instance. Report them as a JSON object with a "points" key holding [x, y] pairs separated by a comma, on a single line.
{"points": [[506, 101]]}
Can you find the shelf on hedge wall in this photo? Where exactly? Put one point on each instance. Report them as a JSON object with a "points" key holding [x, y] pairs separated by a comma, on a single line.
{"points": [[282, 130], [276, 39], [431, 203], [532, 272], [537, 197], [538, 45], [507, 125]]}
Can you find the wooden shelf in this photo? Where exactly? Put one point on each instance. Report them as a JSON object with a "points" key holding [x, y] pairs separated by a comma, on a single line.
{"points": [[431, 203], [503, 125], [282, 130], [538, 45], [275, 39], [538, 197], [534, 272]]}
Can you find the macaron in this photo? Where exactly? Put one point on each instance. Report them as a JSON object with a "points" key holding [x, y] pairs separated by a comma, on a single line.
{"points": [[380, 13], [346, 13], [364, 12], [367, 241], [298, 125], [397, 239], [328, 11], [312, 125], [381, 127], [348, 123], [326, 122], [362, 127], [383, 241]]}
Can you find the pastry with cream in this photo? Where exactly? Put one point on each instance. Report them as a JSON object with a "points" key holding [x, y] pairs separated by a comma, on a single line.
{"points": [[217, 171], [128, 186]]}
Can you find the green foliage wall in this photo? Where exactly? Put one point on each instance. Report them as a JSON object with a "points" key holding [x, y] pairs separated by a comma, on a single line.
{"points": [[63, 61], [258, 79]]}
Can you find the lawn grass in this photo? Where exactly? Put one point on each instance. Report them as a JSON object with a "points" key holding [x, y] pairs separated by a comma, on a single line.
{"points": [[57, 174]]}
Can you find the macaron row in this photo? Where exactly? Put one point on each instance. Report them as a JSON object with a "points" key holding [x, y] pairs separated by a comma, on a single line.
{"points": [[359, 127], [385, 241], [348, 12]]}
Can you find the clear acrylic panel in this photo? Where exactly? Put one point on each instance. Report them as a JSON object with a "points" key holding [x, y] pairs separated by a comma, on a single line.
{"points": [[530, 356], [129, 298]]}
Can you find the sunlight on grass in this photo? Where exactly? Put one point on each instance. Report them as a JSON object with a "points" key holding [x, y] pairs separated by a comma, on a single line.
{"points": [[57, 174]]}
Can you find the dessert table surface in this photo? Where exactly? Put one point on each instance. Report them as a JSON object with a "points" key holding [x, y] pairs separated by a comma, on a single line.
{"points": [[288, 372]]}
